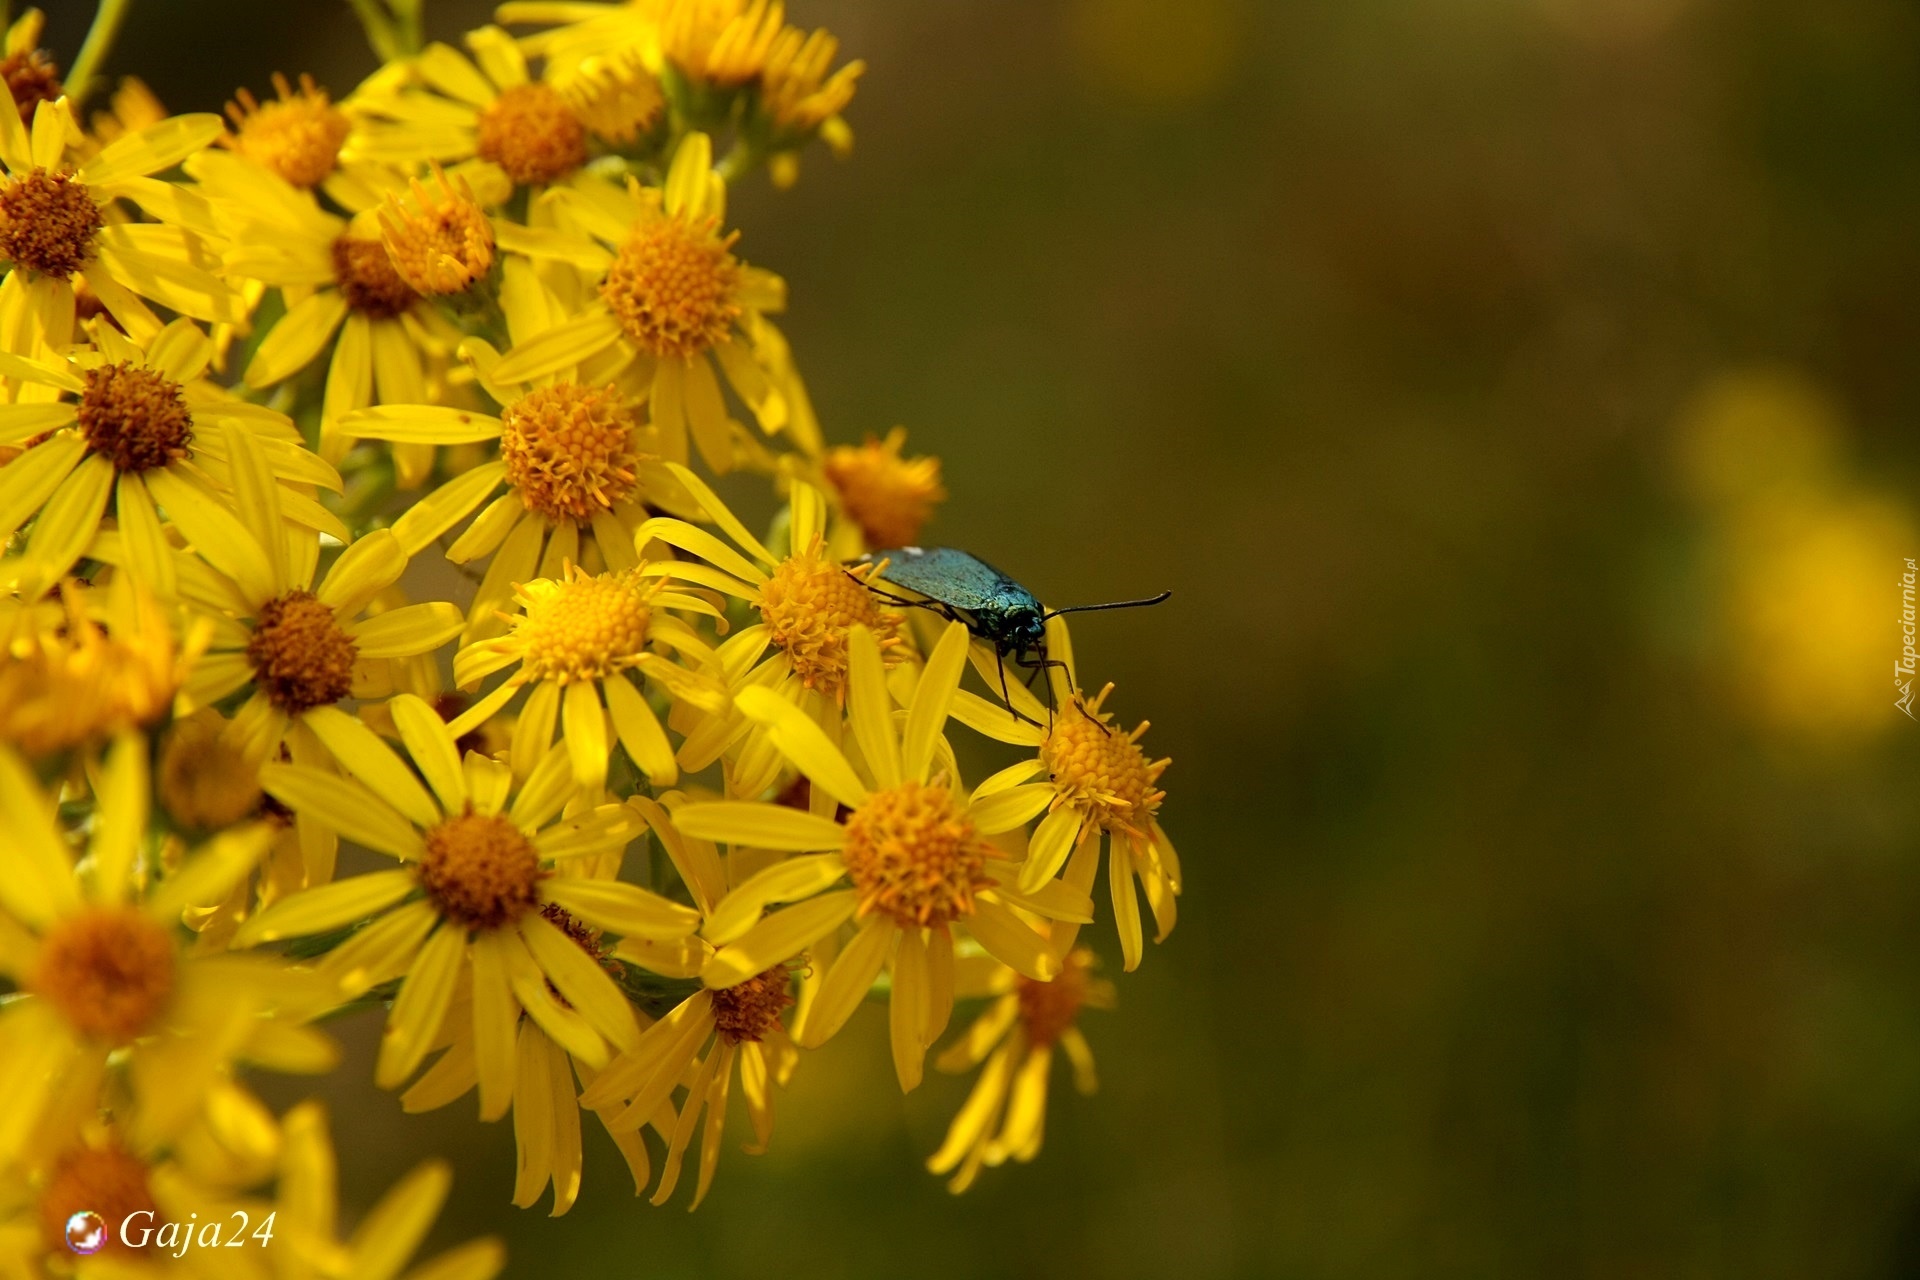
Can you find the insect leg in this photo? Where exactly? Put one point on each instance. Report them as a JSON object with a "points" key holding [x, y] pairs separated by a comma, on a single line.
{"points": [[1006, 695]]}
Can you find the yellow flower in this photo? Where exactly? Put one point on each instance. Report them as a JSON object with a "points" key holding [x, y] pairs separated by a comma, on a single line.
{"points": [[30, 73], [672, 299], [889, 497], [295, 635], [97, 952], [341, 290], [86, 678], [55, 228], [478, 855], [1005, 1114], [1103, 785], [578, 466], [307, 1245], [484, 108], [143, 433], [913, 847], [545, 1103], [710, 1033], [614, 95], [296, 136], [575, 641], [808, 602]]}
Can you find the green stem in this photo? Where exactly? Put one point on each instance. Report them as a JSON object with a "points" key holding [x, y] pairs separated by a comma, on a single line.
{"points": [[98, 44]]}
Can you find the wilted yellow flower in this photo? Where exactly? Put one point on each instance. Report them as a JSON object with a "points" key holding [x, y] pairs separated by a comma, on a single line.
{"points": [[30, 73], [440, 243], [1005, 1114], [721, 1026], [89, 678], [890, 497]]}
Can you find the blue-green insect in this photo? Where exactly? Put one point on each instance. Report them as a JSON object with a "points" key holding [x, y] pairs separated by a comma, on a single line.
{"points": [[966, 589]]}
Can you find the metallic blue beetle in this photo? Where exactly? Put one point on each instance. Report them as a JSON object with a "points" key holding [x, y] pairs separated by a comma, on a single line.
{"points": [[966, 589]]}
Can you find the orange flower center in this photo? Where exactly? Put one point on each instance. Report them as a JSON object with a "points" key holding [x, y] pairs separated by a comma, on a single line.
{"points": [[301, 658], [367, 279], [1047, 1009], [108, 1182], [47, 223], [809, 602], [298, 136], [751, 1009], [569, 450], [480, 871], [32, 78], [586, 627], [1103, 772], [913, 854], [108, 970], [531, 133], [440, 244], [888, 496], [672, 286], [134, 417]]}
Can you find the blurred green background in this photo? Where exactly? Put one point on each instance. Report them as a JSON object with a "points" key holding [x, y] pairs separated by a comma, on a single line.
{"points": [[1518, 397]]}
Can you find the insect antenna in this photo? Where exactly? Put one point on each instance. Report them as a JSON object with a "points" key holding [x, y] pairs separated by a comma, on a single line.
{"points": [[1112, 604]]}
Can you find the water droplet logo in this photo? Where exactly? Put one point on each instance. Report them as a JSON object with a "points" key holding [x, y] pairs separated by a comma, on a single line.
{"points": [[86, 1232]]}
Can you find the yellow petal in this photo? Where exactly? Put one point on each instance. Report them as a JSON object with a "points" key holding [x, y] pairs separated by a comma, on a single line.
{"points": [[364, 756], [870, 707], [40, 883], [586, 735], [560, 347], [327, 907], [848, 982], [496, 1015], [779, 938], [625, 909], [1011, 940], [421, 424], [421, 1006], [931, 698], [344, 805], [152, 149], [764, 826], [433, 748], [409, 630], [788, 880], [581, 980], [394, 1228], [803, 742], [447, 506], [907, 1009], [640, 732]]}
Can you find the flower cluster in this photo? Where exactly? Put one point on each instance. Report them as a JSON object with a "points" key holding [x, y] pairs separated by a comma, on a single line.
{"points": [[269, 383]]}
